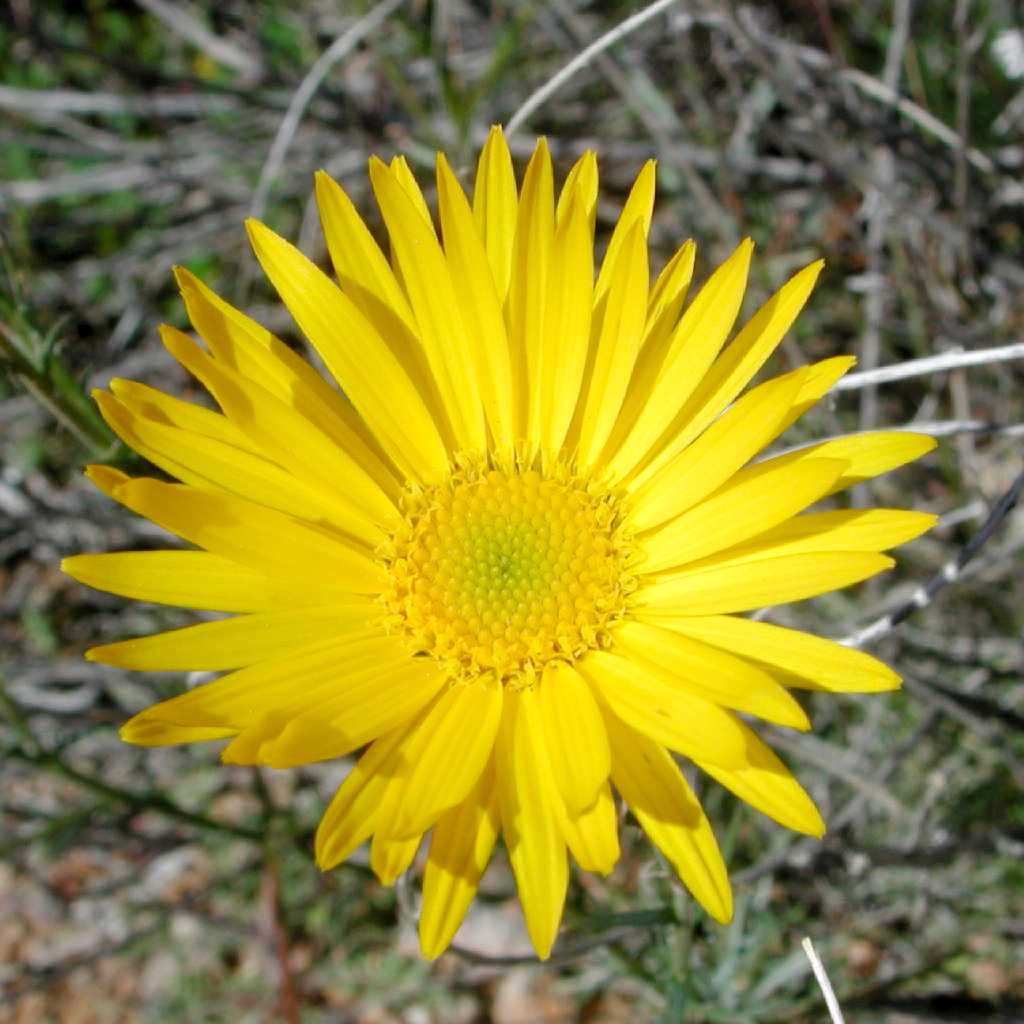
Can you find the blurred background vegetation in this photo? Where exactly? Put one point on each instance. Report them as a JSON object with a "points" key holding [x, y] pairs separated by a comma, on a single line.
{"points": [[157, 885]]}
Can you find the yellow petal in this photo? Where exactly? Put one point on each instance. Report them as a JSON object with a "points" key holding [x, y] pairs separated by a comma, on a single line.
{"points": [[574, 731], [481, 308], [692, 346], [670, 716], [809, 660], [361, 706], [668, 293], [731, 372], [211, 465], [148, 403], [524, 311], [753, 501], [402, 172], [869, 454], [361, 268], [290, 439], [566, 326], [284, 686], [253, 535], [529, 819], [460, 847], [448, 752], [190, 579], [494, 207], [166, 734], [360, 361], [667, 810], [431, 292], [233, 643], [729, 443], [390, 857], [582, 180], [709, 673], [740, 586], [636, 212], [352, 814], [593, 835], [817, 380], [873, 529], [618, 342], [663, 306], [243, 345], [767, 785]]}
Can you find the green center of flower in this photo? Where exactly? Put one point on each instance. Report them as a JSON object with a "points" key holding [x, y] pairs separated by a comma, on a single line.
{"points": [[496, 572]]}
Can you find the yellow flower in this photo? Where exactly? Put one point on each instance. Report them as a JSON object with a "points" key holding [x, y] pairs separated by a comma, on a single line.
{"points": [[508, 562]]}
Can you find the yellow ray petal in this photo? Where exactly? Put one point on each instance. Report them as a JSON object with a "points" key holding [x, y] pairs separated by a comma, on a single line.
{"points": [[460, 847], [363, 365], [352, 814], [481, 308], [362, 508], [637, 211], [243, 345], [667, 810], [618, 342], [809, 660], [593, 835], [768, 786], [668, 293], [732, 371], [692, 347], [253, 535], [582, 179], [148, 403], [709, 673], [431, 292], [211, 465], [670, 716], [151, 733], [566, 325], [724, 586], [357, 710], [524, 310], [529, 819], [449, 751], [663, 306], [754, 500], [402, 172], [576, 740], [819, 378], [189, 579], [729, 443], [233, 643], [873, 529], [361, 267], [390, 857], [869, 454], [495, 206], [283, 686]]}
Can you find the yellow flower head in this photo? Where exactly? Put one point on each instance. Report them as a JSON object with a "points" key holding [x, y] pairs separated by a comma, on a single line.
{"points": [[506, 554]]}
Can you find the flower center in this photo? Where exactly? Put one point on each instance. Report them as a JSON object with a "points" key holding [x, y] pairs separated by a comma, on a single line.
{"points": [[499, 572]]}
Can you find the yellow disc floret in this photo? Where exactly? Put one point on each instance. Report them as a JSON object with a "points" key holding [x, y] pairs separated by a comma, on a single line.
{"points": [[498, 572]]}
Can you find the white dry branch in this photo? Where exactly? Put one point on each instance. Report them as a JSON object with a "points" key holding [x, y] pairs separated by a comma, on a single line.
{"points": [[820, 975], [582, 59], [303, 95], [930, 364]]}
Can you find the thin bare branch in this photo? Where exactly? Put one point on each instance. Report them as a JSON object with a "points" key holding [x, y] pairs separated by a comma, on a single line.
{"points": [[929, 365], [582, 59], [337, 51]]}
